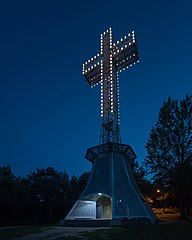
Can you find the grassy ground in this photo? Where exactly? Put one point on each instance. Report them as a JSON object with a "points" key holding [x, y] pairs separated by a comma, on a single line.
{"points": [[9, 233], [169, 228], [142, 232]]}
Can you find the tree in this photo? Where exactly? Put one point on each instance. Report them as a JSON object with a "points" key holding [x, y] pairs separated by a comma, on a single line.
{"points": [[48, 191], [12, 194], [145, 186], [77, 185], [82, 181], [169, 149]]}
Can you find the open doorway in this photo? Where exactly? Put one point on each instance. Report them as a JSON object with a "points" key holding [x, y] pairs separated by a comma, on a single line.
{"points": [[103, 208]]}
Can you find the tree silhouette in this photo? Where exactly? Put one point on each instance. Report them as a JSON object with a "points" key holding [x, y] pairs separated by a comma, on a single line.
{"points": [[169, 149]]}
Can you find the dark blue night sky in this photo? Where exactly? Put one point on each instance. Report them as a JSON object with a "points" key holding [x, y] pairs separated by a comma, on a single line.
{"points": [[49, 115]]}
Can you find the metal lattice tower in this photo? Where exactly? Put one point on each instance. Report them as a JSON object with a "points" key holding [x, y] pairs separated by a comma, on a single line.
{"points": [[103, 68]]}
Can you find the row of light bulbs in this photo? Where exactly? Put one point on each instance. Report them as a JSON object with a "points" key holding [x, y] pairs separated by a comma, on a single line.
{"points": [[110, 96], [128, 66], [101, 88], [123, 48], [91, 60], [127, 58], [125, 37], [107, 31], [90, 68]]}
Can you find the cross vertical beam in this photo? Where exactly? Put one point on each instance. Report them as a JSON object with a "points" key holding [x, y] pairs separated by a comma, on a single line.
{"points": [[103, 68], [109, 94]]}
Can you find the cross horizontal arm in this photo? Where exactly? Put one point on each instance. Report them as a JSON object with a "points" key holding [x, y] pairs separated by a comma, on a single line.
{"points": [[126, 58], [125, 42], [125, 52]]}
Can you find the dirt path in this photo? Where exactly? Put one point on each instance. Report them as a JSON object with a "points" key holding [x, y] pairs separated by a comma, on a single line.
{"points": [[54, 233]]}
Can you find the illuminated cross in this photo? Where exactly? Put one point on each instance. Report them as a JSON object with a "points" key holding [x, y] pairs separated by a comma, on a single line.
{"points": [[104, 68]]}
